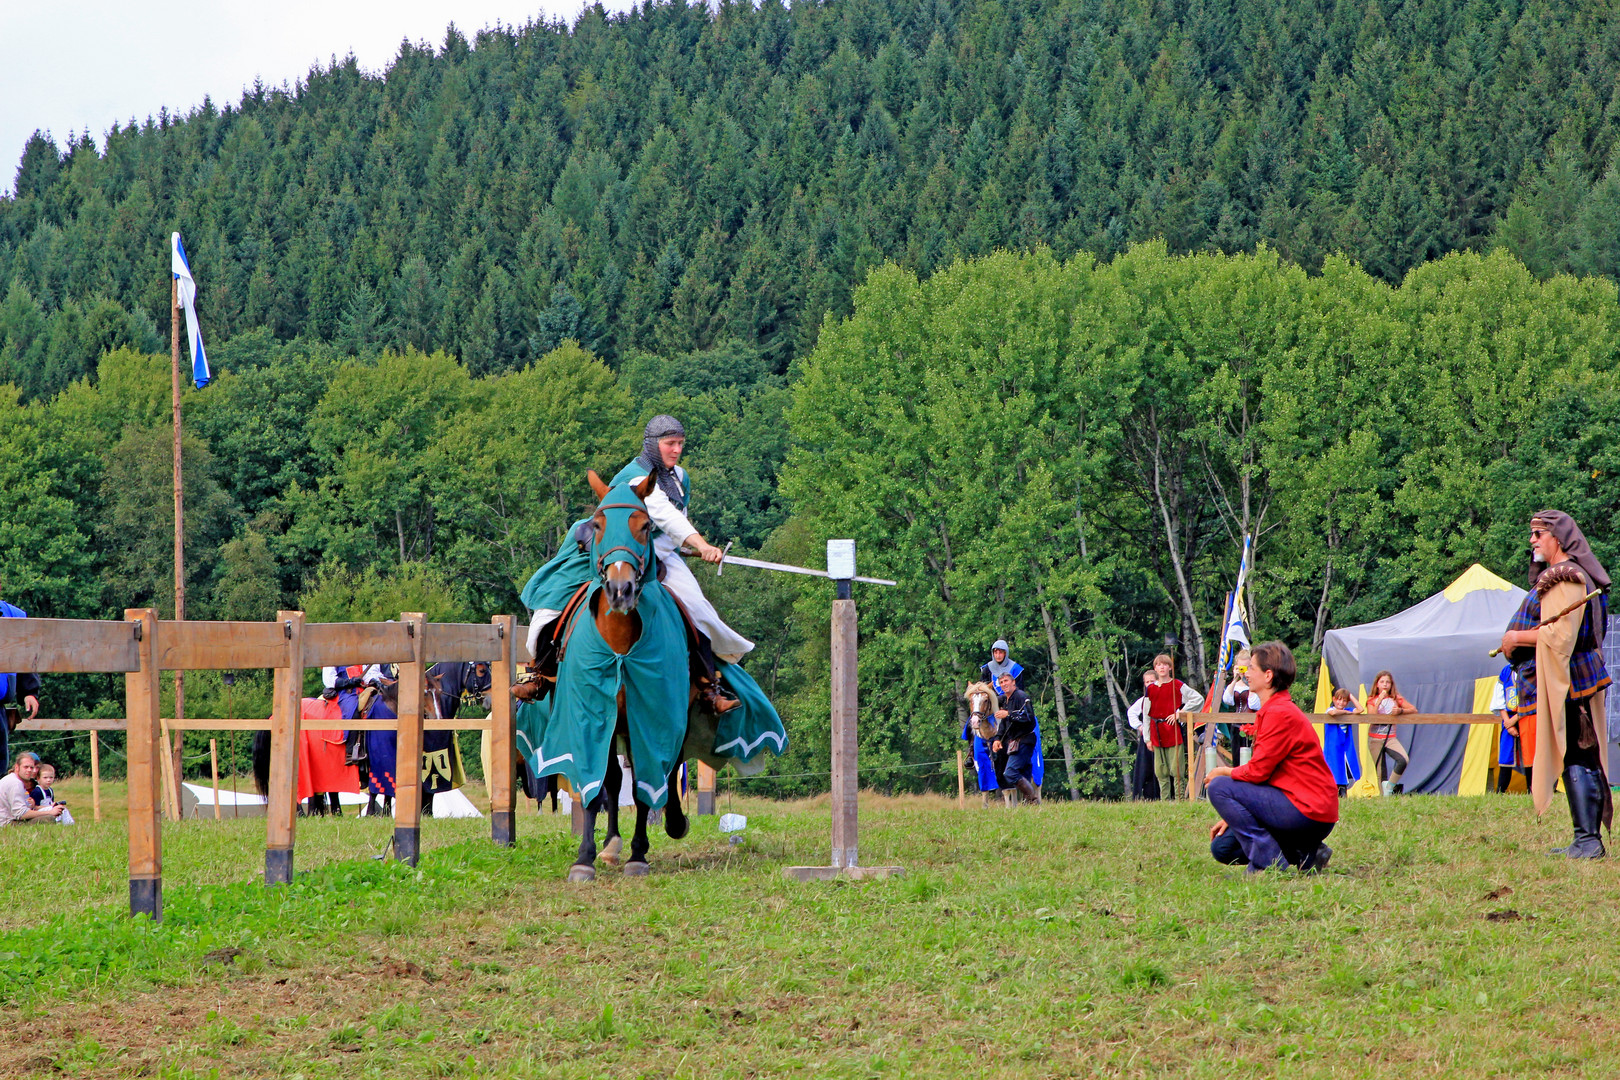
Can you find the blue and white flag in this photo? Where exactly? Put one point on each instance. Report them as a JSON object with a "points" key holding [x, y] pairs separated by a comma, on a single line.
{"points": [[188, 300], [1235, 630]]}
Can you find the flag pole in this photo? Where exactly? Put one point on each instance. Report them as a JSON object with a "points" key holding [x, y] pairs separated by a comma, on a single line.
{"points": [[179, 534]]}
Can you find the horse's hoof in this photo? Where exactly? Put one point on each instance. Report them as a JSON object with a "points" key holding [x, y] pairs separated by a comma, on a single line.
{"points": [[636, 869], [676, 827], [582, 873], [610, 851]]}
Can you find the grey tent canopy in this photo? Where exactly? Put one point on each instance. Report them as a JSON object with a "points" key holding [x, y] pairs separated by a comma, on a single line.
{"points": [[1437, 650]]}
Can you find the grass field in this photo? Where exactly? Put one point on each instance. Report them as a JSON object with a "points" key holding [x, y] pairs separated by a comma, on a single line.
{"points": [[1091, 939]]}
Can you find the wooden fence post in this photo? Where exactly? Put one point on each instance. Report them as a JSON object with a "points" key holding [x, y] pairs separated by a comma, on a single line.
{"points": [[142, 749], [503, 736], [845, 776], [287, 707], [705, 790], [408, 753], [95, 775]]}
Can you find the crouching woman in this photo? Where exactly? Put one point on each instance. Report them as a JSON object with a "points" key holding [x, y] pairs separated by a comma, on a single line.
{"points": [[1277, 809]]}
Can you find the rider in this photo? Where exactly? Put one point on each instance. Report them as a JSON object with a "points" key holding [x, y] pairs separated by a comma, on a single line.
{"points": [[663, 442]]}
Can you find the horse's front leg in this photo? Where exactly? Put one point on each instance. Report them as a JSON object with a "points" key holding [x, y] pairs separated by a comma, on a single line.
{"points": [[584, 868], [675, 821], [637, 866], [613, 843]]}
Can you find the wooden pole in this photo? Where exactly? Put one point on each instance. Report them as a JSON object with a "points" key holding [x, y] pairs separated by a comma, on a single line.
{"points": [[845, 777], [170, 790], [846, 863], [408, 756], [179, 540], [286, 710], [705, 790], [503, 736], [95, 775], [213, 765], [961, 782], [144, 748]]}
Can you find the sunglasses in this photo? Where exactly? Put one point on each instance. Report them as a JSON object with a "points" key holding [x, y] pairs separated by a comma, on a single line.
{"points": [[1537, 534]]}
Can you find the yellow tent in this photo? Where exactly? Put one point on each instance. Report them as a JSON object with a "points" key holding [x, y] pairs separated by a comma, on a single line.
{"points": [[1437, 651]]}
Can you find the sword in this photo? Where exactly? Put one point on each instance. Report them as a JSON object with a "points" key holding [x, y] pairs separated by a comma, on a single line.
{"points": [[726, 557]]}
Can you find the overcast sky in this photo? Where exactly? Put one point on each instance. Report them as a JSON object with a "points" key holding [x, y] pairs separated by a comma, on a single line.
{"points": [[68, 65]]}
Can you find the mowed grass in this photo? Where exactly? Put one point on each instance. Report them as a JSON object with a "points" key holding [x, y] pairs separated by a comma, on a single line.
{"points": [[1089, 939]]}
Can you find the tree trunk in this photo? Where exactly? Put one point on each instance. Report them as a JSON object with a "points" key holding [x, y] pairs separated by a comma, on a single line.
{"points": [[1189, 611], [1057, 685], [1319, 632], [399, 527]]}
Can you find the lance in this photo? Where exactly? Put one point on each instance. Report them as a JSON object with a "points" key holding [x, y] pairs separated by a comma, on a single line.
{"points": [[1548, 622], [728, 559]]}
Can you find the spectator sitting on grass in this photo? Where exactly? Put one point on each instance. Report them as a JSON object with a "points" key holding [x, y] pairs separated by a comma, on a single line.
{"points": [[16, 808], [1283, 803], [44, 794]]}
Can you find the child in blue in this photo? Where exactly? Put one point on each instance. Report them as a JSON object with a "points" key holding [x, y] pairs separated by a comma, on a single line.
{"points": [[1339, 742], [1510, 748]]}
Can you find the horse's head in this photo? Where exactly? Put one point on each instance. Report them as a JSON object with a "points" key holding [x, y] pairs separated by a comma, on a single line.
{"points": [[982, 703], [621, 540]]}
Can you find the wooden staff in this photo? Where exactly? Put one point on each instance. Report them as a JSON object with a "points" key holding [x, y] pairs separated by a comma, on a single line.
{"points": [[1548, 622], [213, 764], [173, 779]]}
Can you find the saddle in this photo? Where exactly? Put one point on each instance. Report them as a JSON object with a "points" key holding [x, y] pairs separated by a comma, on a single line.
{"points": [[541, 678]]}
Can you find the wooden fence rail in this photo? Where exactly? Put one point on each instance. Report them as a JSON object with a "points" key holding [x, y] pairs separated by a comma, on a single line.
{"points": [[142, 646], [1195, 763]]}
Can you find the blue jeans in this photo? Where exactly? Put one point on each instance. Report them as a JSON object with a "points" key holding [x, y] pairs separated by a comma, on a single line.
{"points": [[1021, 762], [1270, 830]]}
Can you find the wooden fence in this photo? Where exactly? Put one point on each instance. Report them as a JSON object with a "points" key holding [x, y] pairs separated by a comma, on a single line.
{"points": [[1195, 763], [142, 646]]}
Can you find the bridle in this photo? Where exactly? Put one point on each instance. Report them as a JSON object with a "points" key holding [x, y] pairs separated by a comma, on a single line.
{"points": [[637, 554]]}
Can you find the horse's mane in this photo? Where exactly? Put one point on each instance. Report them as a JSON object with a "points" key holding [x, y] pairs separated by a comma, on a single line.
{"points": [[982, 688]]}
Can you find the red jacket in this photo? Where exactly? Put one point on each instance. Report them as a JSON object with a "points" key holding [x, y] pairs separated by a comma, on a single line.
{"points": [[1288, 756]]}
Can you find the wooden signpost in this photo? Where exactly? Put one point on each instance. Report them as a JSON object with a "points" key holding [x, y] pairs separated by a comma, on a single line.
{"points": [[845, 861]]}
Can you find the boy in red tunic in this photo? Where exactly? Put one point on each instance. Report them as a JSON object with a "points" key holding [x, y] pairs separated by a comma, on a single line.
{"points": [[1283, 803], [1168, 695]]}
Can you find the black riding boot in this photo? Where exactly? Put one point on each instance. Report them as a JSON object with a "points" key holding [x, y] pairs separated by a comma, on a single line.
{"points": [[1029, 791], [1581, 786]]}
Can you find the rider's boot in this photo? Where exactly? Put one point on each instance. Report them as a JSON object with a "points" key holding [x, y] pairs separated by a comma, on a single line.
{"points": [[714, 699], [1029, 791]]}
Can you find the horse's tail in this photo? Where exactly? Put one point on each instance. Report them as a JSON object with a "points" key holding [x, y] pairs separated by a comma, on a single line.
{"points": [[261, 762]]}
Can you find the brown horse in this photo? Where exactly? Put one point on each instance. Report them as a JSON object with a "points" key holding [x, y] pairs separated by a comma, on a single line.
{"points": [[613, 610], [982, 705]]}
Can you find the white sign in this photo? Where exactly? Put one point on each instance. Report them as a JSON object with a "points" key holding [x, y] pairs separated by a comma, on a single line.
{"points": [[841, 559]]}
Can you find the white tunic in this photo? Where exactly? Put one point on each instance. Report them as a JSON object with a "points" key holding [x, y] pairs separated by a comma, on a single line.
{"points": [[674, 529]]}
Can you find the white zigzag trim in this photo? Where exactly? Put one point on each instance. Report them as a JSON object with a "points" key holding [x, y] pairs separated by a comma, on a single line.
{"points": [[749, 748], [653, 793], [546, 762]]}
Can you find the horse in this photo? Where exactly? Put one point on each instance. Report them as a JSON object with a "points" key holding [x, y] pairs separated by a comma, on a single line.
{"points": [[982, 722], [622, 650], [380, 702], [613, 613]]}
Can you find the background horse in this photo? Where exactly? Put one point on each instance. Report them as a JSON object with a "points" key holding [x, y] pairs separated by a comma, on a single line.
{"points": [[983, 727], [376, 759]]}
